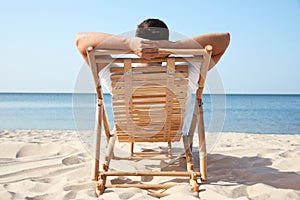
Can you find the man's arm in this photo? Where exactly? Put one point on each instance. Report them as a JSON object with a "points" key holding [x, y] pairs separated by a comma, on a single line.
{"points": [[84, 40], [219, 42], [142, 47], [149, 49]]}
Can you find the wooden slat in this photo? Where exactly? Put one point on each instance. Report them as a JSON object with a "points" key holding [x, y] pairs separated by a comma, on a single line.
{"points": [[152, 89], [145, 121], [139, 131], [142, 127], [122, 138], [118, 95], [157, 127], [141, 60], [137, 97], [146, 103], [149, 82], [128, 90], [155, 122], [120, 125], [174, 97], [176, 108], [178, 68], [154, 99], [121, 110], [161, 50], [148, 134], [170, 96], [155, 93], [160, 173], [149, 89], [153, 116], [121, 113], [151, 76], [178, 97], [147, 114], [122, 122], [141, 107]]}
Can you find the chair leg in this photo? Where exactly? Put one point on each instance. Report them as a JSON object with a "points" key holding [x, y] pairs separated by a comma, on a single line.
{"points": [[131, 148], [99, 117], [193, 126], [202, 146], [188, 154], [101, 185], [109, 154], [169, 149], [194, 184]]}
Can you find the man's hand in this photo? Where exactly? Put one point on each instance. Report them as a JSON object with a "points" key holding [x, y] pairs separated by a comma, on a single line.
{"points": [[144, 48]]}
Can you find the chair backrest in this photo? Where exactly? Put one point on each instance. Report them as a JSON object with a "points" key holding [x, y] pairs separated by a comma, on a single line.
{"points": [[149, 102]]}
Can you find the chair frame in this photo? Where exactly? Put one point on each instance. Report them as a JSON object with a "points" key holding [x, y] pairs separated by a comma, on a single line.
{"points": [[200, 55]]}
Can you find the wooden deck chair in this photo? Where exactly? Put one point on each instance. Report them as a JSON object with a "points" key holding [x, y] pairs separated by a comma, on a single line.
{"points": [[149, 105]]}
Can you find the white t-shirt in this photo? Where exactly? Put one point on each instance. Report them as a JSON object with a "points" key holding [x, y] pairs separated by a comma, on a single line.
{"points": [[193, 71]]}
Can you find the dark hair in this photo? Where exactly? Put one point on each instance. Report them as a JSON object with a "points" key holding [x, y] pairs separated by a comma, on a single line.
{"points": [[152, 29]]}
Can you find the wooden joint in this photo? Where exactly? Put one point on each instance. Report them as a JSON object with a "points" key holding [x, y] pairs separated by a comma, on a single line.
{"points": [[171, 71], [199, 92], [200, 103], [128, 73], [208, 48], [100, 102], [89, 49], [105, 167], [190, 167], [99, 86], [98, 89], [102, 176]]}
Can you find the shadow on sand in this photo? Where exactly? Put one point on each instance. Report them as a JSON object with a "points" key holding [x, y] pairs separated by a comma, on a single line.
{"points": [[249, 171]]}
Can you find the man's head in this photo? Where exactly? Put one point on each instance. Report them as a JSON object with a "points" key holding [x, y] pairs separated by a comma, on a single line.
{"points": [[152, 29]]}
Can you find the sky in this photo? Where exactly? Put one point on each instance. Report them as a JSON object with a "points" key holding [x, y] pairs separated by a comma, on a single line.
{"points": [[38, 52]]}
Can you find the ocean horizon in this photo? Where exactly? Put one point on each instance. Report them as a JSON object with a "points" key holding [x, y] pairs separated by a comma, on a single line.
{"points": [[246, 113]]}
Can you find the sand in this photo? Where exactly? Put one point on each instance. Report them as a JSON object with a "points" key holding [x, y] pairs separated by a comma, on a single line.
{"points": [[56, 165]]}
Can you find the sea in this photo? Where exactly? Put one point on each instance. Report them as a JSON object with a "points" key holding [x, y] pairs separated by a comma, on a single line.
{"points": [[246, 113]]}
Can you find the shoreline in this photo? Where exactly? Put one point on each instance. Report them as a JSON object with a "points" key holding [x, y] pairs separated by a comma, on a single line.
{"points": [[74, 131], [70, 92], [53, 164]]}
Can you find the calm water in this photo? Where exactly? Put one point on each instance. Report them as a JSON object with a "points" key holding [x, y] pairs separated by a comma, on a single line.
{"points": [[244, 113]]}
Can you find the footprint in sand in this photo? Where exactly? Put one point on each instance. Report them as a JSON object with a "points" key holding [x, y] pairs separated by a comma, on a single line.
{"points": [[290, 154], [74, 159], [38, 150]]}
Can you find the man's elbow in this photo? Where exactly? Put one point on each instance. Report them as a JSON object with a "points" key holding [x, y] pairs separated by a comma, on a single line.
{"points": [[78, 36], [224, 43], [78, 42], [227, 38]]}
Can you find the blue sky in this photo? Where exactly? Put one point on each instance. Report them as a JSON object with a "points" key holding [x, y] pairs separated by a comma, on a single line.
{"points": [[38, 52]]}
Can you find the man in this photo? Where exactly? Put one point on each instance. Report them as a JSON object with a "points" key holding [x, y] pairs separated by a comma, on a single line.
{"points": [[151, 35], [146, 47]]}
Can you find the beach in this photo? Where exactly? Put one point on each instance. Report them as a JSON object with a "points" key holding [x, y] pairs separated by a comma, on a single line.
{"points": [[52, 164]]}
